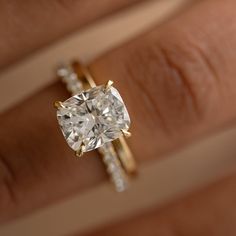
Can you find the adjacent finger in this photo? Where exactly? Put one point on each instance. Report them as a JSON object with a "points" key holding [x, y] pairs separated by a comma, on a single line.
{"points": [[208, 212], [28, 25]]}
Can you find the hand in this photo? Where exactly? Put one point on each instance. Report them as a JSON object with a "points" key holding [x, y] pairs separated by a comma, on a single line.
{"points": [[174, 79]]}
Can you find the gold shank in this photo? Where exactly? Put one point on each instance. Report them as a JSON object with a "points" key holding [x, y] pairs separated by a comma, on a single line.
{"points": [[83, 75], [125, 155]]}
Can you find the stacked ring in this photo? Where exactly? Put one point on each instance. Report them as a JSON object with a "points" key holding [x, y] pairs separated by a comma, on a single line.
{"points": [[95, 117]]}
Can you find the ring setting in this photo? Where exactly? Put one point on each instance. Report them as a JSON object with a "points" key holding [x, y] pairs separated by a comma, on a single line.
{"points": [[92, 118], [95, 117]]}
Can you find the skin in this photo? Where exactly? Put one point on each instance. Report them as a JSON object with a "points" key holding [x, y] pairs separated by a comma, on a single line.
{"points": [[28, 25], [210, 212], [185, 71]]}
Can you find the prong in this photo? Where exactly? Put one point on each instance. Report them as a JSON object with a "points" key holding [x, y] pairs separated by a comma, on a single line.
{"points": [[108, 84], [80, 151], [83, 97], [58, 104], [126, 133]]}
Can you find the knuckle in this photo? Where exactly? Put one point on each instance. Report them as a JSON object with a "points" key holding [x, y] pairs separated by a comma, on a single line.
{"points": [[179, 79]]}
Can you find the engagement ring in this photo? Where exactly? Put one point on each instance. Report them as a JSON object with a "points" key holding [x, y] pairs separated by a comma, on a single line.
{"points": [[95, 117]]}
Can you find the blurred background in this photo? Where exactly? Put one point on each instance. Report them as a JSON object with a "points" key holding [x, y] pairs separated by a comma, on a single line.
{"points": [[180, 177]]}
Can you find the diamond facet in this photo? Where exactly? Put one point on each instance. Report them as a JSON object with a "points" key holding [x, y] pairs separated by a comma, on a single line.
{"points": [[93, 118]]}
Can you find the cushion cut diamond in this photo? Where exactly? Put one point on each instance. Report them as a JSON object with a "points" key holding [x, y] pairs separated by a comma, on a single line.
{"points": [[93, 118]]}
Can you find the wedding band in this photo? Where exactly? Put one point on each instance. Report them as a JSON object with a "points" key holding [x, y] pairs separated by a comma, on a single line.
{"points": [[95, 117]]}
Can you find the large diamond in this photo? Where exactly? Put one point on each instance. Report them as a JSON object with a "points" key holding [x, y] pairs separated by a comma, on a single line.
{"points": [[93, 118]]}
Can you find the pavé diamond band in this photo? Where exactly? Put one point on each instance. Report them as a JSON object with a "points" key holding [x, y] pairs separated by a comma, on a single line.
{"points": [[95, 117]]}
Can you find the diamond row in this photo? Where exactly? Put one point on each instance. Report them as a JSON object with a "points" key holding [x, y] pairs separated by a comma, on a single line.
{"points": [[114, 169], [70, 78]]}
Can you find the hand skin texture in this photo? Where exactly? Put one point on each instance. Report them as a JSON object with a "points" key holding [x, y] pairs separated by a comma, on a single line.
{"points": [[174, 80]]}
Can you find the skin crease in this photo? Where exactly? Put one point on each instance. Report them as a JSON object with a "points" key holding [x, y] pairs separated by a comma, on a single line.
{"points": [[185, 72]]}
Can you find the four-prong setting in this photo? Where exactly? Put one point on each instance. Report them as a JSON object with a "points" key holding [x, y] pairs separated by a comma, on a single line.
{"points": [[93, 117]]}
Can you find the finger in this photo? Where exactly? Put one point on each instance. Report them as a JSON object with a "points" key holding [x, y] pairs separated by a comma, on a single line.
{"points": [[171, 83], [27, 25], [211, 212]]}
